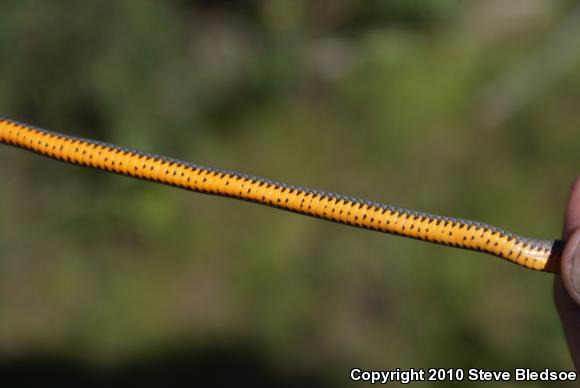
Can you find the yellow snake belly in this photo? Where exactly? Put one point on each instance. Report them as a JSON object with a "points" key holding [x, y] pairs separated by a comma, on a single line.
{"points": [[542, 255]]}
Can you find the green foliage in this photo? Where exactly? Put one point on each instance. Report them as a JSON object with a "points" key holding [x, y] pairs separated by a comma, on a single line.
{"points": [[381, 100]]}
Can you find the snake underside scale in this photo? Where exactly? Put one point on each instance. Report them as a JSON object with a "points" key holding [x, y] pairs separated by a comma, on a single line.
{"points": [[542, 255]]}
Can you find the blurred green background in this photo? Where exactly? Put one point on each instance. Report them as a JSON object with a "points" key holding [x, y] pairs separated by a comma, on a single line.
{"points": [[468, 109]]}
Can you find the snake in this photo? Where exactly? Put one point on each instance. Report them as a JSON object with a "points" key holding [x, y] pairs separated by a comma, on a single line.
{"points": [[540, 255]]}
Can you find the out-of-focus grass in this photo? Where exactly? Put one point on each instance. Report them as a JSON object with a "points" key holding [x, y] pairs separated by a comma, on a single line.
{"points": [[382, 103]]}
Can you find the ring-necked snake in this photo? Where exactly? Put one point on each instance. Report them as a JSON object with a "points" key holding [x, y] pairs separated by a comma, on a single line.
{"points": [[542, 255]]}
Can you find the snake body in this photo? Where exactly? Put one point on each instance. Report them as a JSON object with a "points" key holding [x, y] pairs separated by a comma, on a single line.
{"points": [[542, 255]]}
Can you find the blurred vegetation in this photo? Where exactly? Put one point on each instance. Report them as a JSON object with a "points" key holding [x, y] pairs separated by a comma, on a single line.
{"points": [[394, 101]]}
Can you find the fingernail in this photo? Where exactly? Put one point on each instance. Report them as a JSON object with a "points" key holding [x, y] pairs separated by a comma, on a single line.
{"points": [[575, 270]]}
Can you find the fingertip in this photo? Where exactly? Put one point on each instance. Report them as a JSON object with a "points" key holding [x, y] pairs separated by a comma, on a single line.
{"points": [[576, 184], [572, 219], [570, 266]]}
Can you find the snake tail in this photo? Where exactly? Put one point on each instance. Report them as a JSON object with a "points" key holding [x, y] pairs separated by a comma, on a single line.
{"points": [[541, 255]]}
